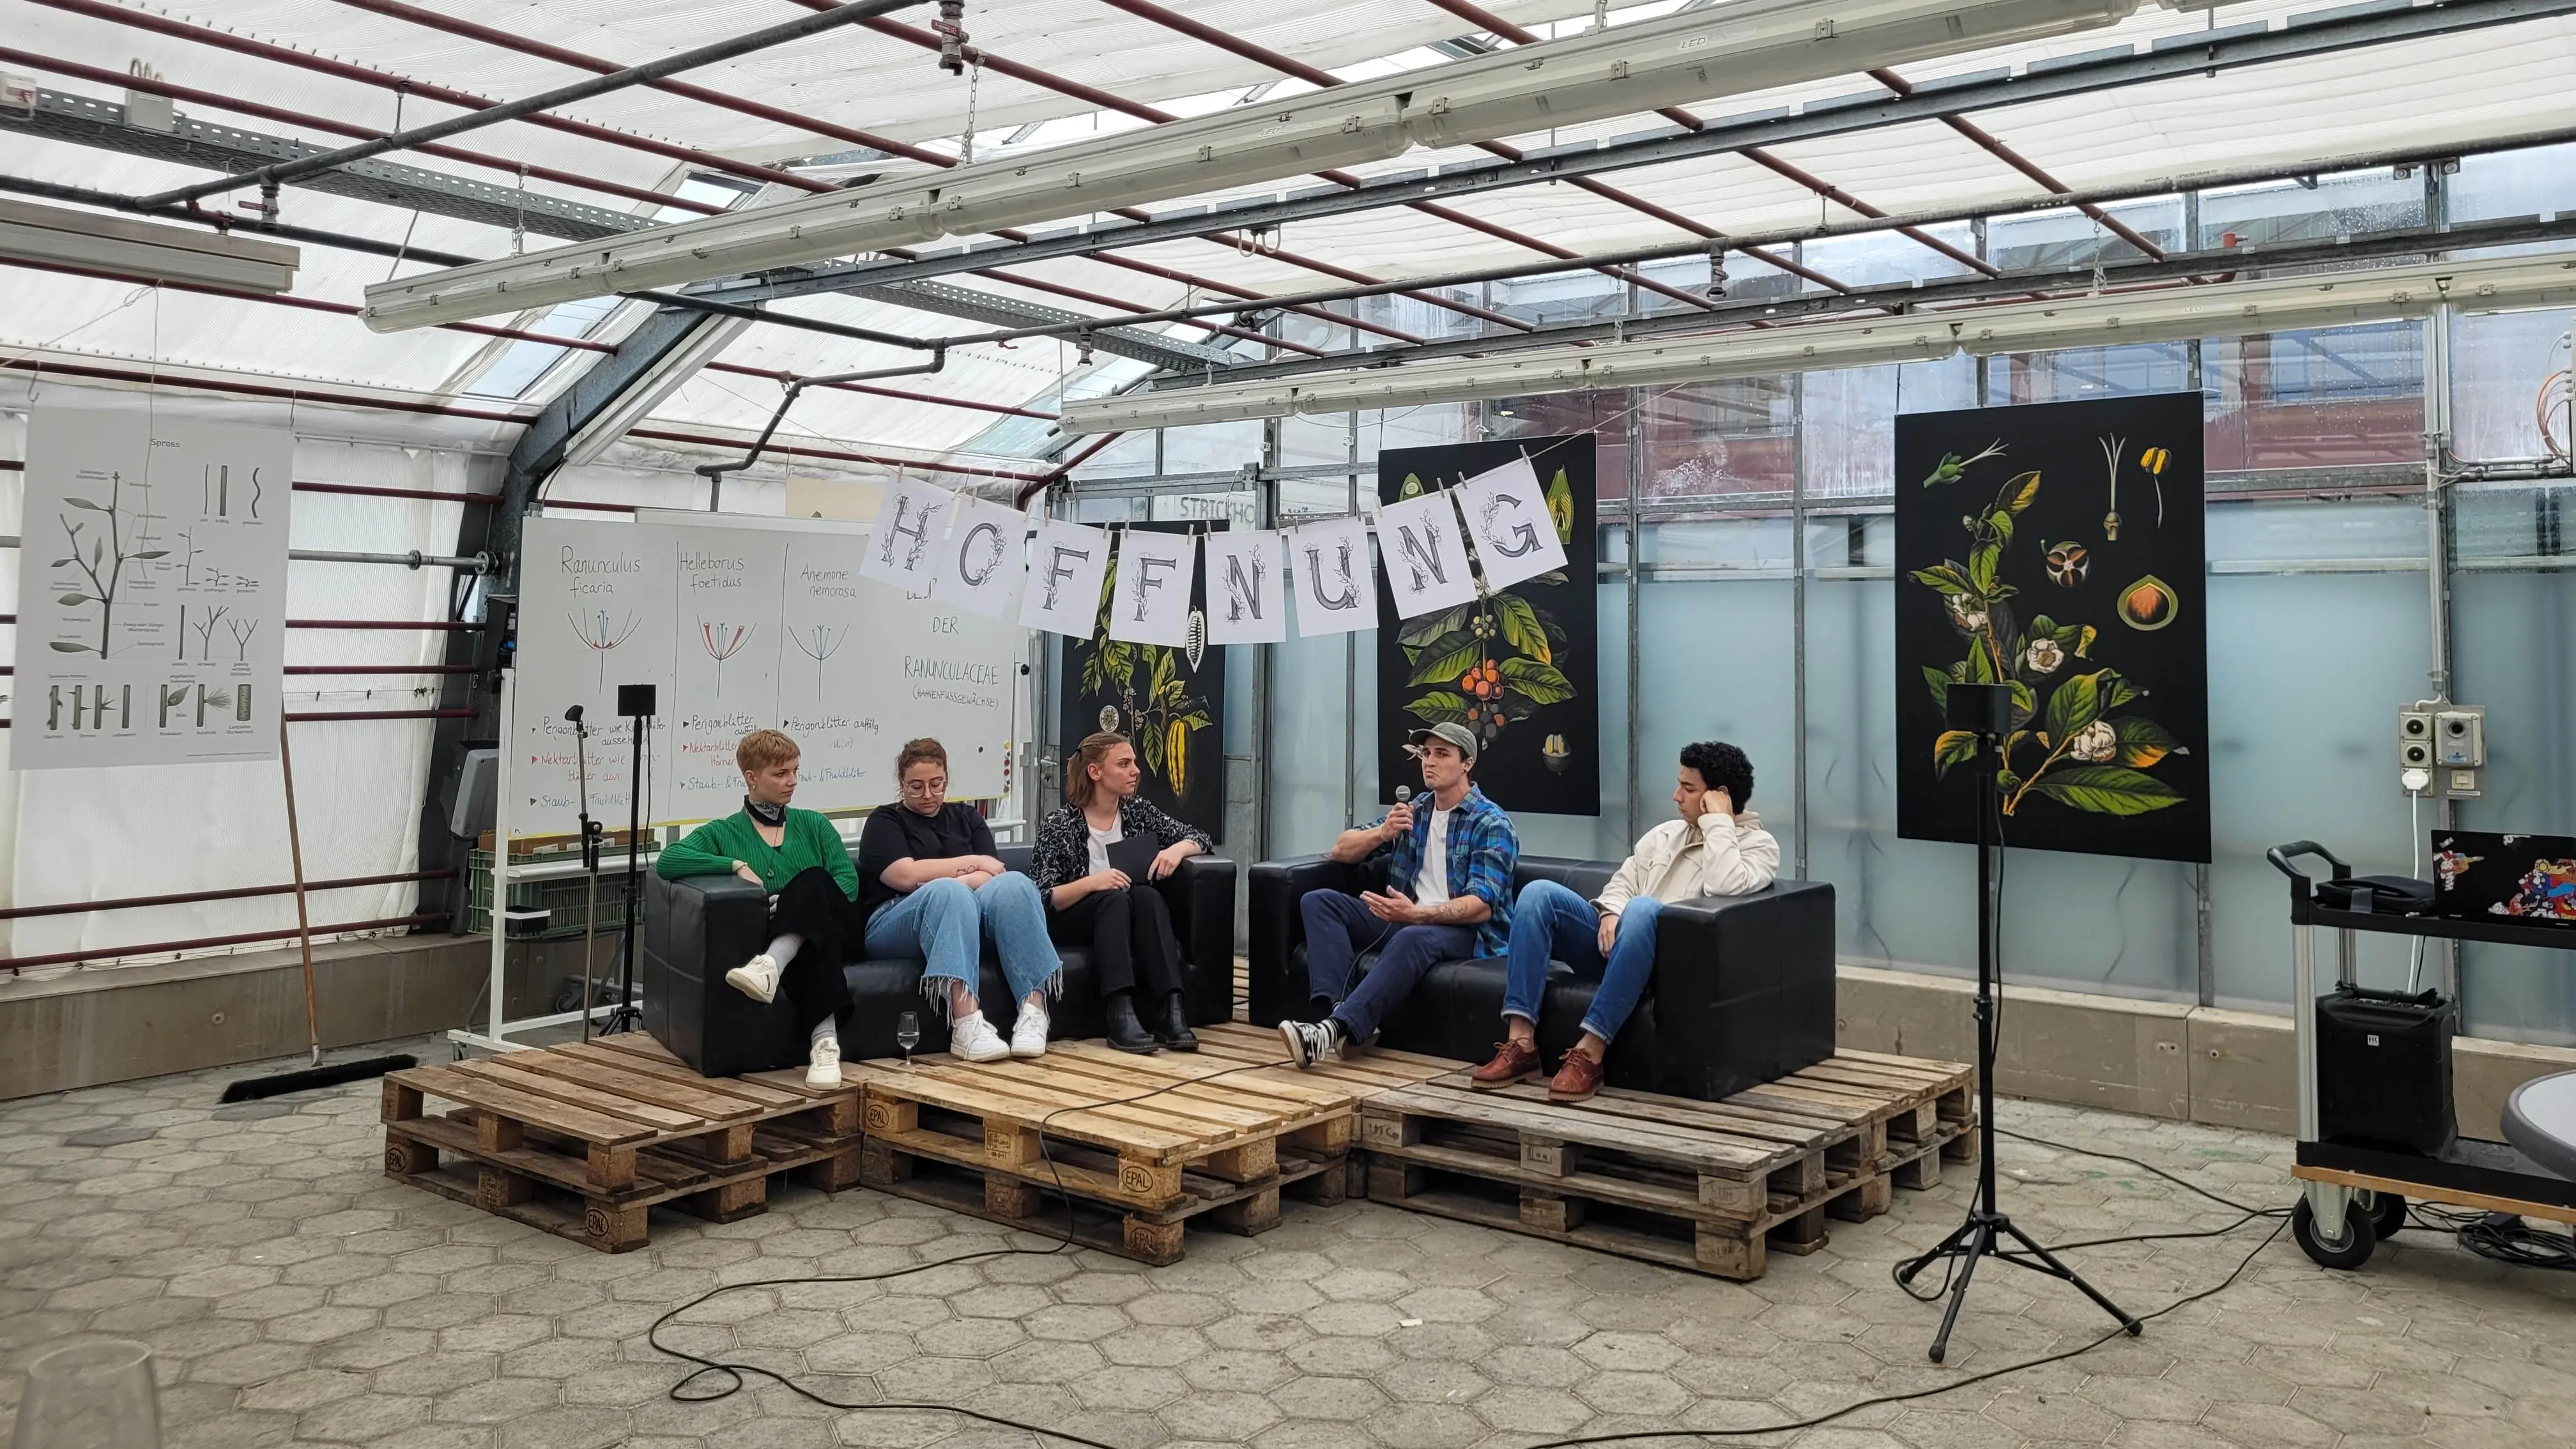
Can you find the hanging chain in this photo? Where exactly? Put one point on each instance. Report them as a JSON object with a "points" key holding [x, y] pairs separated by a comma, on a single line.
{"points": [[974, 83], [2098, 245], [519, 222]]}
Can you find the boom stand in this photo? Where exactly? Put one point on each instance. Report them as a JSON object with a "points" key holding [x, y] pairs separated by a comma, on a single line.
{"points": [[1987, 1233], [591, 830], [635, 701]]}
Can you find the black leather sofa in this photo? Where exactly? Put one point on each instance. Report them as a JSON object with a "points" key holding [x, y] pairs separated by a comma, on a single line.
{"points": [[698, 928], [1743, 990]]}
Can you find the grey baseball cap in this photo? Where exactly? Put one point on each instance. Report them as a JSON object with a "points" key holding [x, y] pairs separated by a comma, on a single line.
{"points": [[1448, 733]]}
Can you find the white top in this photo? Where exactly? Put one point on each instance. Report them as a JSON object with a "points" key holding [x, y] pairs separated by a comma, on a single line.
{"points": [[1101, 840], [1431, 883]]}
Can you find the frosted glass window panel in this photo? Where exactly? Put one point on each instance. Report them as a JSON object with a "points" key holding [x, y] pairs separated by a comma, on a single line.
{"points": [[1850, 428], [2531, 182], [2274, 211], [1880, 258], [1130, 455], [2255, 535], [1211, 447], [1695, 547], [1605, 836], [1720, 665], [2341, 398], [2499, 361], [2087, 372], [2514, 643], [1310, 742], [1322, 438], [1717, 438], [2306, 674], [1301, 498]]}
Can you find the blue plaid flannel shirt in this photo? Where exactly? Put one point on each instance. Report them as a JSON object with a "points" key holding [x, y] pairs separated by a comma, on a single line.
{"points": [[1483, 849]]}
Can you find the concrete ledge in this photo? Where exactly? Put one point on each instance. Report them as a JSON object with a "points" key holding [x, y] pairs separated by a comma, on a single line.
{"points": [[2157, 1059], [90, 1027]]}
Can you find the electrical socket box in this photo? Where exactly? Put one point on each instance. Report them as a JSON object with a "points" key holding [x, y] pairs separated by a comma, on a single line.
{"points": [[2415, 738], [2460, 736]]}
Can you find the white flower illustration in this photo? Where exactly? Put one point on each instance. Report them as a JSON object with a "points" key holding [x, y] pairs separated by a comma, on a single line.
{"points": [[2094, 743], [2045, 656]]}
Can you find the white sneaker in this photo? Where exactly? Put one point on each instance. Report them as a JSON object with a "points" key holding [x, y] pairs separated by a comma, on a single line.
{"points": [[973, 1039], [823, 1068], [1029, 1033], [756, 978]]}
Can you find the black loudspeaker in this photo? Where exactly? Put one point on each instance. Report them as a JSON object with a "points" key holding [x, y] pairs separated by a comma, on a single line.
{"points": [[1984, 709], [635, 699], [2384, 1070]]}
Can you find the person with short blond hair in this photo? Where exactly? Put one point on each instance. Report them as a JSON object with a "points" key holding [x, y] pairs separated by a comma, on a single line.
{"points": [[796, 856], [933, 888], [1135, 953]]}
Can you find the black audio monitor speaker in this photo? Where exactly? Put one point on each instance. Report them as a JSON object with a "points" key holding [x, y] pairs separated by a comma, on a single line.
{"points": [[1984, 709], [2384, 1070], [635, 699]]}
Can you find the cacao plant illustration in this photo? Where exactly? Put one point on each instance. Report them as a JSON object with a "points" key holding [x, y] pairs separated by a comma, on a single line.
{"points": [[101, 559], [1161, 715], [1493, 662], [2081, 745]]}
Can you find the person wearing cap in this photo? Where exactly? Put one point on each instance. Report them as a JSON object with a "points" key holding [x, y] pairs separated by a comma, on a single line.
{"points": [[1717, 848], [1448, 897]]}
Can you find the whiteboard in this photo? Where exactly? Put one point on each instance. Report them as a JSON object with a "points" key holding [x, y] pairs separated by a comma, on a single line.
{"points": [[151, 586], [742, 626]]}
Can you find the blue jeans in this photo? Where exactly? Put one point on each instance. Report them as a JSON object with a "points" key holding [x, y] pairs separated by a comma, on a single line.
{"points": [[946, 922], [1339, 927], [1549, 920]]}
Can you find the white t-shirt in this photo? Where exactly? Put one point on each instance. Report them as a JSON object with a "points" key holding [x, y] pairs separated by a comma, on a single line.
{"points": [[1101, 840], [1431, 883]]}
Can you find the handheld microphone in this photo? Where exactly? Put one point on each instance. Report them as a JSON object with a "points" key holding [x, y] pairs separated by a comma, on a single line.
{"points": [[1404, 794]]}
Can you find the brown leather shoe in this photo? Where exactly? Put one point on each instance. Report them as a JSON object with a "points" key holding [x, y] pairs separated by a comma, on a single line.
{"points": [[1576, 1080], [1514, 1061]]}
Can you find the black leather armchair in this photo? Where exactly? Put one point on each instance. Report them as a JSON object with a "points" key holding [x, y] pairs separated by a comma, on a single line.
{"points": [[1743, 988], [696, 929]]}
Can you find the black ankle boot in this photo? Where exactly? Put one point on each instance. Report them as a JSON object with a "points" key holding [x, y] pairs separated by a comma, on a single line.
{"points": [[1126, 1033], [1173, 1030]]}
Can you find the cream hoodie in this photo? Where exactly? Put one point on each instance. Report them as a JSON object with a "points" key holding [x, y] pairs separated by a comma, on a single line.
{"points": [[1716, 855]]}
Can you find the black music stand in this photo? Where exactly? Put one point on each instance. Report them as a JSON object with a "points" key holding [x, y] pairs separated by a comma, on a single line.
{"points": [[635, 702], [1986, 711]]}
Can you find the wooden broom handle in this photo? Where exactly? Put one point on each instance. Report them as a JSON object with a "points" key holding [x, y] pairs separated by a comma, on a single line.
{"points": [[303, 921]]}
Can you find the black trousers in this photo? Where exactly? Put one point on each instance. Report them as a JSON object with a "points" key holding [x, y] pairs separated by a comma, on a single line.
{"points": [[813, 907], [1133, 946]]}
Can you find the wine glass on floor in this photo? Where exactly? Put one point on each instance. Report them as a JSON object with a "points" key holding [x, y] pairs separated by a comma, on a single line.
{"points": [[96, 1394]]}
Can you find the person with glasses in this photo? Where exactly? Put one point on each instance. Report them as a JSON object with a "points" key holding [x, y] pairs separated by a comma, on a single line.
{"points": [[934, 889], [1125, 921]]}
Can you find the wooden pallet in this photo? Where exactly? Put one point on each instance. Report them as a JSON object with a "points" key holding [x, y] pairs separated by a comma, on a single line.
{"points": [[1049, 1142], [1709, 1186], [583, 1139]]}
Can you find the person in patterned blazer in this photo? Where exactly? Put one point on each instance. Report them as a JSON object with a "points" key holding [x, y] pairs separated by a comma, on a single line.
{"points": [[1134, 951]]}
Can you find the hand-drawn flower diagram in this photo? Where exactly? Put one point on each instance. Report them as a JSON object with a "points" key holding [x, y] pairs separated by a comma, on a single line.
{"points": [[599, 636], [825, 642], [2093, 757], [723, 641], [104, 567]]}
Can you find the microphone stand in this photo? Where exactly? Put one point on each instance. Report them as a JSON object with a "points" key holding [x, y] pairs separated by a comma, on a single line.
{"points": [[591, 830], [628, 1016], [1986, 711]]}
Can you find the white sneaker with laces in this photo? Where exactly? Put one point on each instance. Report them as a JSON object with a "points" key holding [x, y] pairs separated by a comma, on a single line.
{"points": [[1029, 1033], [973, 1039], [756, 978], [1310, 1043], [823, 1067]]}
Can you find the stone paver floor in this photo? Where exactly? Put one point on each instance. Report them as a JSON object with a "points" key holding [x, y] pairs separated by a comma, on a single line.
{"points": [[295, 1295]]}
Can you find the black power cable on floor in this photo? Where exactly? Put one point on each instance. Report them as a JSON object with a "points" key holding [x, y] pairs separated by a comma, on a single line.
{"points": [[738, 1374], [2502, 1237]]}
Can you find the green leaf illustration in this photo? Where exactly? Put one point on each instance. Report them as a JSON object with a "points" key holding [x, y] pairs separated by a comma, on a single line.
{"points": [[1539, 683], [2143, 742], [2107, 790], [1981, 568], [1946, 578], [1438, 708], [1521, 627], [1940, 684], [2074, 704], [2022, 491], [1422, 631], [1445, 667], [1954, 747]]}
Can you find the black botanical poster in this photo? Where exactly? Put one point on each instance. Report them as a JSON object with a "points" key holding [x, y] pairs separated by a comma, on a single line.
{"points": [[1171, 702], [1519, 667], [2057, 549]]}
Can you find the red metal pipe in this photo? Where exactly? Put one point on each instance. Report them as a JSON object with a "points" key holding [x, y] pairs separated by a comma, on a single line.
{"points": [[318, 716], [361, 490], [1020, 500], [2025, 166], [7, 670], [431, 626], [244, 45], [238, 106], [153, 948], [253, 389], [235, 893]]}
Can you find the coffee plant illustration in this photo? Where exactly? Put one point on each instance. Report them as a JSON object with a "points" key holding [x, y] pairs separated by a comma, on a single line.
{"points": [[1490, 663], [101, 559], [2075, 738], [1161, 715]]}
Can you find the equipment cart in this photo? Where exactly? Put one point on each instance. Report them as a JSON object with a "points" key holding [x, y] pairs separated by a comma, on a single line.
{"points": [[2351, 1197]]}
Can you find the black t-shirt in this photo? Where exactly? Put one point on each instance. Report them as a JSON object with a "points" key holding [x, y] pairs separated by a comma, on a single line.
{"points": [[895, 833]]}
